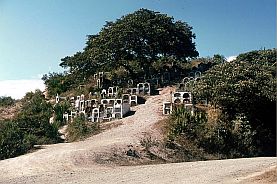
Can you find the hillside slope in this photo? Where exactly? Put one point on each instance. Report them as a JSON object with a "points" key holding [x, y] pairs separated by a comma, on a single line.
{"points": [[9, 112], [77, 162]]}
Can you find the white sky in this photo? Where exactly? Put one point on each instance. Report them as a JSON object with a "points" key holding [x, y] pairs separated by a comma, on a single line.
{"points": [[18, 88], [231, 58]]}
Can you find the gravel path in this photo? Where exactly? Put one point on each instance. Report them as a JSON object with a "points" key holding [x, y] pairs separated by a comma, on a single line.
{"points": [[75, 162]]}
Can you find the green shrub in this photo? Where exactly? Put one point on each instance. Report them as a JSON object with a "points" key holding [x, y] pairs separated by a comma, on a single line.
{"points": [[79, 128], [59, 110], [6, 101], [227, 138], [184, 122], [34, 119], [245, 86], [58, 83], [13, 142], [30, 127], [243, 137]]}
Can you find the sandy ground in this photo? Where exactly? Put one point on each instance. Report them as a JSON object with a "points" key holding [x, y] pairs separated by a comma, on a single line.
{"points": [[75, 162]]}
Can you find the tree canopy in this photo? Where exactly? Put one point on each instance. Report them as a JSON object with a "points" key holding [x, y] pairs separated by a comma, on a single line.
{"points": [[267, 57], [135, 41]]}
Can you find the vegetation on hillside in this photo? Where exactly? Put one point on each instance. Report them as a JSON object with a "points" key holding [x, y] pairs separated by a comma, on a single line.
{"points": [[57, 83], [6, 101], [31, 126], [138, 46], [145, 45], [243, 94], [13, 141], [239, 120], [34, 118], [59, 110], [264, 57], [79, 128]]}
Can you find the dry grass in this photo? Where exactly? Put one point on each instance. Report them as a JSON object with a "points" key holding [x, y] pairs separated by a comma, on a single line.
{"points": [[119, 157], [9, 112]]}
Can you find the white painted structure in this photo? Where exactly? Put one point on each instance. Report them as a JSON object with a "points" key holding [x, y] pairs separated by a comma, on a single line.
{"points": [[143, 88], [178, 98], [182, 97], [167, 108]]}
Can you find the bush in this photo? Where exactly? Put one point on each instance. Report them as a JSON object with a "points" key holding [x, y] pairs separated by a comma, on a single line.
{"points": [[183, 122], [13, 141], [58, 83], [59, 110], [249, 88], [243, 136], [34, 119], [79, 129], [186, 133], [229, 138], [6, 101], [30, 127], [226, 138]]}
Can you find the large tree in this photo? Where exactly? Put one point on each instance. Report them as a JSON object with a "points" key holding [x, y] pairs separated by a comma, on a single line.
{"points": [[135, 42]]}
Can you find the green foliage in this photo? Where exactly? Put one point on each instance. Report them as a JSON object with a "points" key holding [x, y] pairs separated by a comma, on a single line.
{"points": [[79, 128], [30, 127], [218, 59], [227, 138], [203, 64], [248, 88], [59, 110], [265, 57], [184, 122], [6, 101], [186, 134], [34, 118], [13, 141], [58, 83], [230, 138], [135, 42], [237, 86], [243, 136]]}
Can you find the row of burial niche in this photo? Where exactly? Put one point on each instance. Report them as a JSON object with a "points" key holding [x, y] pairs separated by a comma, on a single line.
{"points": [[183, 95], [107, 105], [178, 98]]}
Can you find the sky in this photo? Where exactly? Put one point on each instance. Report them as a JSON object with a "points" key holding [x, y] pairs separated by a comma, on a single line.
{"points": [[36, 34]]}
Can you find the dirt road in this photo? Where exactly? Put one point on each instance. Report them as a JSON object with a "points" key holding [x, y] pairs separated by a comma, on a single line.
{"points": [[75, 162], [222, 171]]}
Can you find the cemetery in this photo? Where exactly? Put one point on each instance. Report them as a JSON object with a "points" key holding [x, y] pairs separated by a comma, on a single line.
{"points": [[183, 95], [107, 105], [110, 104]]}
